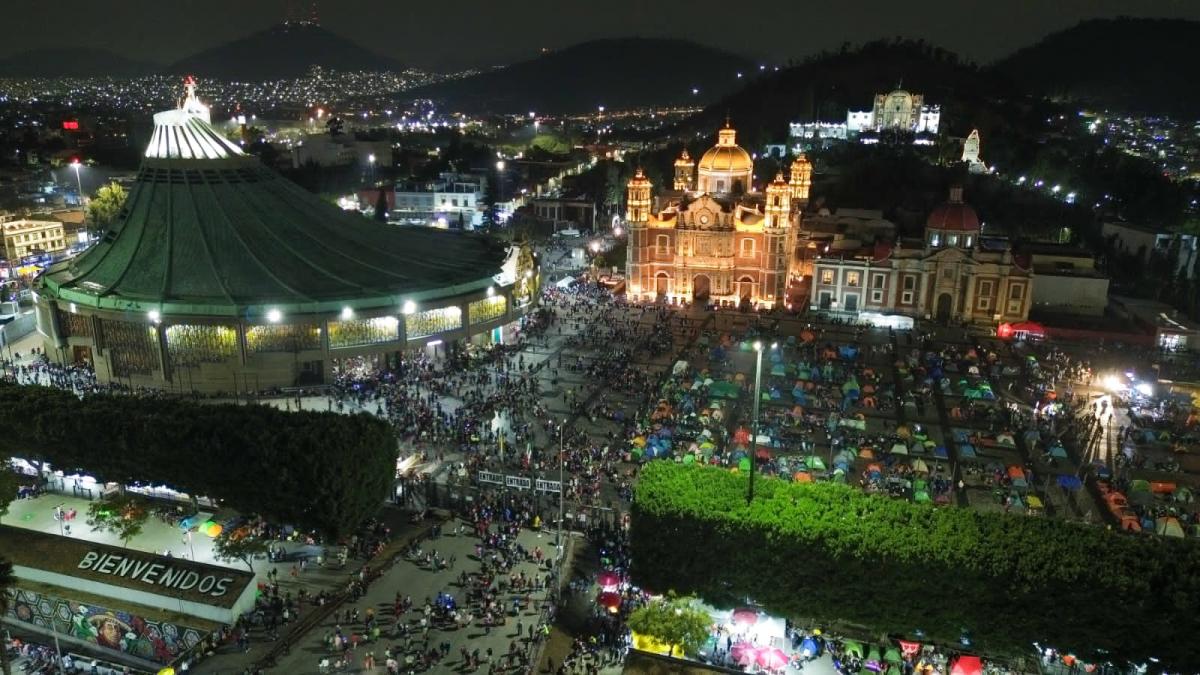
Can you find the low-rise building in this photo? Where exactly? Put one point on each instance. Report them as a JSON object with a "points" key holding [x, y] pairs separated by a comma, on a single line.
{"points": [[24, 237], [1067, 280], [454, 200]]}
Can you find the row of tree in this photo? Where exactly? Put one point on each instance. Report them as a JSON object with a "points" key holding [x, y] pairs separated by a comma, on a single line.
{"points": [[828, 552], [321, 471]]}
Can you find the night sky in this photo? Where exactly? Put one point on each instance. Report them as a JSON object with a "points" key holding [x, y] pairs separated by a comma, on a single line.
{"points": [[457, 33]]}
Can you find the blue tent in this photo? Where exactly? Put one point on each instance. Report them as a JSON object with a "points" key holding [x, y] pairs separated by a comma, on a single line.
{"points": [[967, 451], [1069, 482], [940, 452], [1058, 451], [809, 647]]}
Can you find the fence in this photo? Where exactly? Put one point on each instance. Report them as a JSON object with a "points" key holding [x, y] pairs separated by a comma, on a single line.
{"points": [[540, 496]]}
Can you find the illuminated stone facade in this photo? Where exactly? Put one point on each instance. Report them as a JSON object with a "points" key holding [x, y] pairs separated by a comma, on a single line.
{"points": [[713, 238], [955, 274]]}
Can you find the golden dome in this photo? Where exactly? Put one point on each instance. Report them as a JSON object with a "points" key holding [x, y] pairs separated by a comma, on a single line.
{"points": [[726, 158], [726, 155]]}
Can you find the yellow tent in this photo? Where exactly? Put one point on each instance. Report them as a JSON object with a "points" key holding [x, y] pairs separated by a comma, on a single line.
{"points": [[647, 643]]}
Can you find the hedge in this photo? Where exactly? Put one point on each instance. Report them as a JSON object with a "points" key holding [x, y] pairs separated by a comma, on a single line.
{"points": [[318, 470], [831, 553]]}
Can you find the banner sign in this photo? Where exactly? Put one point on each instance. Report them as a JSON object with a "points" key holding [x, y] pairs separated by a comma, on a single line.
{"points": [[548, 486], [489, 477], [517, 482]]}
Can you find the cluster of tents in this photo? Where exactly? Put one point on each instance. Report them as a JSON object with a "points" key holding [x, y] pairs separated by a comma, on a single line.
{"points": [[1136, 512]]}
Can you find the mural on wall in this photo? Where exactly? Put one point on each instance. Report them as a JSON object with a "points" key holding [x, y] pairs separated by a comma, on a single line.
{"points": [[121, 631]]}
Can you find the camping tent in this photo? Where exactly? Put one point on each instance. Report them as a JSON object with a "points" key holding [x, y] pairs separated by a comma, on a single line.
{"points": [[967, 664], [1168, 527]]}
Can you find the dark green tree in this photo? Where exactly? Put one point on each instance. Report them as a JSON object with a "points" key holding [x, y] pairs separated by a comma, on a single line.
{"points": [[239, 545], [8, 582], [121, 514], [677, 622]]}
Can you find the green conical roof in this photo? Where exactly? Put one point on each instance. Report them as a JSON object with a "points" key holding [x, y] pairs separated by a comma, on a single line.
{"points": [[219, 233]]}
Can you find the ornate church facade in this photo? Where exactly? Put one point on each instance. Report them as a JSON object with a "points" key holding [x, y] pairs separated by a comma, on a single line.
{"points": [[954, 274], [712, 238]]}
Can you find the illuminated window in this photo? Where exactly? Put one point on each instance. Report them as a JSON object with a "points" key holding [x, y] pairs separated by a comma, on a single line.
{"points": [[827, 276], [935, 239], [433, 321], [747, 248], [852, 278], [193, 345], [487, 309], [283, 338], [952, 240], [662, 245], [355, 332]]}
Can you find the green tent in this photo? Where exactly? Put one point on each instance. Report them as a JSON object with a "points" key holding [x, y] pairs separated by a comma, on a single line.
{"points": [[853, 647], [1139, 485], [744, 464], [814, 463], [689, 459], [892, 655], [921, 497]]}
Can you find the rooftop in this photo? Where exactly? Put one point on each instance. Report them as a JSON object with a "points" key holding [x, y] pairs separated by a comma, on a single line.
{"points": [[217, 233]]}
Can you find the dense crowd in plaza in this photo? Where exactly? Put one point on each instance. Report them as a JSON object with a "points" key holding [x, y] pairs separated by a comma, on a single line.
{"points": [[894, 412]]}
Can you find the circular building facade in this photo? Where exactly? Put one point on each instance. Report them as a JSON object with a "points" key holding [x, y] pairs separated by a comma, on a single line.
{"points": [[222, 276]]}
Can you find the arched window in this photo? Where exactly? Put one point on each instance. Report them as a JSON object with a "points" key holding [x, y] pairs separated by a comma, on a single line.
{"points": [[747, 248]]}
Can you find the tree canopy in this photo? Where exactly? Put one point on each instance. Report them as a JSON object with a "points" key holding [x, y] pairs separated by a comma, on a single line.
{"points": [[318, 470], [123, 514], [674, 621], [105, 207], [830, 553]]}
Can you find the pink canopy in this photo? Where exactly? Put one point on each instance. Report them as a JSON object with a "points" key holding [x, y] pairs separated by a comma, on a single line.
{"points": [[744, 654], [609, 601], [772, 658], [608, 580], [745, 616]]}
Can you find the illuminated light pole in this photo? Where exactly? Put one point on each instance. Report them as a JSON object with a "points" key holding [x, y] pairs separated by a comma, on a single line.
{"points": [[76, 164], [562, 486], [500, 180], [758, 348]]}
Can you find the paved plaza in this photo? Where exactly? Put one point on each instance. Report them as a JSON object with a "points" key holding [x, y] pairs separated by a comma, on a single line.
{"points": [[937, 415]]}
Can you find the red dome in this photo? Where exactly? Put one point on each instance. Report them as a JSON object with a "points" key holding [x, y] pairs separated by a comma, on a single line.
{"points": [[953, 216]]}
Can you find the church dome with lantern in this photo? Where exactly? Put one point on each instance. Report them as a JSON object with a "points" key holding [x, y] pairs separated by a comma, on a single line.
{"points": [[726, 167]]}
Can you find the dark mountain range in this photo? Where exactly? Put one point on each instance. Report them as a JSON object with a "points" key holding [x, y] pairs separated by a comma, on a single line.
{"points": [[282, 51], [1140, 65], [72, 62], [618, 73]]}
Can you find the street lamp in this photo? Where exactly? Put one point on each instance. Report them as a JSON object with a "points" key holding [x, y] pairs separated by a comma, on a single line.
{"points": [[562, 486], [758, 348], [75, 164]]}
